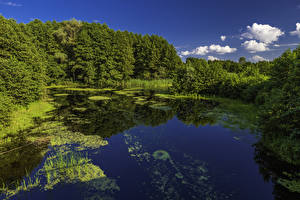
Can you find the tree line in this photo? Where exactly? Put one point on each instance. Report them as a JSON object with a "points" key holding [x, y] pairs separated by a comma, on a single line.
{"points": [[273, 86], [37, 54]]}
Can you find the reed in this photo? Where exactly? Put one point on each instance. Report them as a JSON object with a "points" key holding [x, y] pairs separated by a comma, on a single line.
{"points": [[160, 84]]}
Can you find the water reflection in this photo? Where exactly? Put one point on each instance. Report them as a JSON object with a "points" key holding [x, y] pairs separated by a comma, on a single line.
{"points": [[79, 124]]}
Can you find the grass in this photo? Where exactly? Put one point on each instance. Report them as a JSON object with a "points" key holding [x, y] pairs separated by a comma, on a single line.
{"points": [[161, 84], [27, 184], [61, 161], [69, 168], [24, 117], [180, 96]]}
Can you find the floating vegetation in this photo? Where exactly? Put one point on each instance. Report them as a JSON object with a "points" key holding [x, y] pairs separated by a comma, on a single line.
{"points": [[61, 95], [133, 89], [65, 167], [60, 135], [161, 155], [169, 178], [165, 96], [236, 138], [84, 141], [89, 89], [99, 98], [141, 102], [80, 109]]}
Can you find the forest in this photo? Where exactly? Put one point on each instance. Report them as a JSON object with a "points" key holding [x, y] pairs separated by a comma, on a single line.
{"points": [[38, 54]]}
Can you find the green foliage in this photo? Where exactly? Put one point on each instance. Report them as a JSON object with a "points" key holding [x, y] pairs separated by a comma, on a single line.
{"points": [[6, 107], [197, 76], [35, 54], [275, 86], [161, 84]]}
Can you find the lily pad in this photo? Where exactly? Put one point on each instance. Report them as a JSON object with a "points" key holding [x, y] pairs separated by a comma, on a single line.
{"points": [[99, 98], [161, 155]]}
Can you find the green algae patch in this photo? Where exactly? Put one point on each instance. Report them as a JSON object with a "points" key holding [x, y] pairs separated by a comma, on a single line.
{"points": [[89, 89], [61, 95], [56, 86], [133, 89], [85, 141], [161, 155], [165, 96], [80, 109], [99, 98], [179, 175]]}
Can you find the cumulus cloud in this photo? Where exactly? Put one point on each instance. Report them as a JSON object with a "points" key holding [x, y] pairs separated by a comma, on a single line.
{"points": [[252, 46], [297, 31], [258, 58], [223, 37], [263, 33], [212, 58], [9, 3], [203, 50], [221, 50]]}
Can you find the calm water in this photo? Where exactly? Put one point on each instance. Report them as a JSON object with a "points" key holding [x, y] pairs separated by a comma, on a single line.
{"points": [[156, 149]]}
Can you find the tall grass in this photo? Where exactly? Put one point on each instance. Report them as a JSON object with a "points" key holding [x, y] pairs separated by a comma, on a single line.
{"points": [[161, 84]]}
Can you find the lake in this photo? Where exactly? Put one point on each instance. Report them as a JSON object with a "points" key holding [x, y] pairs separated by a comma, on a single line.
{"points": [[136, 144]]}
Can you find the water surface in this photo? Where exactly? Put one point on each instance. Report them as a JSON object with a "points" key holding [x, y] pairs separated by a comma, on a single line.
{"points": [[154, 148]]}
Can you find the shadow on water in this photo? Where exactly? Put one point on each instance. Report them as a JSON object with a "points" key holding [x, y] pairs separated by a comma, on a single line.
{"points": [[285, 176]]}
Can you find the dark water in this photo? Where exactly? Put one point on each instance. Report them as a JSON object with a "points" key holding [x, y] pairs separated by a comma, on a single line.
{"points": [[156, 149]]}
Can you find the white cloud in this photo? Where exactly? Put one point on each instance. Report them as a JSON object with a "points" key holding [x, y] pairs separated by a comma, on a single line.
{"points": [[221, 50], [263, 32], [185, 53], [258, 58], [9, 3], [252, 46], [203, 50], [223, 37], [286, 45], [212, 58], [297, 31]]}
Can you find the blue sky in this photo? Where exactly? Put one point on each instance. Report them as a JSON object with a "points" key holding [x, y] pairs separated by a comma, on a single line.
{"points": [[256, 29]]}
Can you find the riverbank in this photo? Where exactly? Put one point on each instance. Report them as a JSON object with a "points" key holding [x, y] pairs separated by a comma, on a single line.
{"points": [[23, 118]]}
